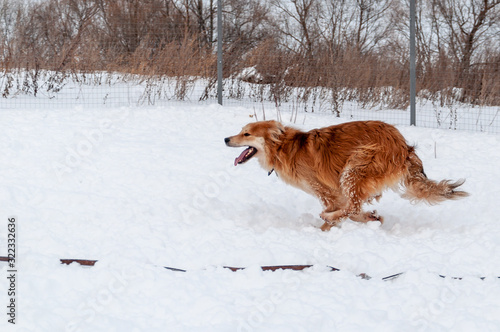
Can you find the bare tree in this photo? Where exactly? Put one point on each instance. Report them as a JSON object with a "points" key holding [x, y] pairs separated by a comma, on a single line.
{"points": [[299, 25], [246, 26], [371, 24], [355, 45], [10, 12], [468, 24]]}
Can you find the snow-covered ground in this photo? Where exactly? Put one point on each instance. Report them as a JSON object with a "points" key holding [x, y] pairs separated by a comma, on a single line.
{"points": [[140, 188]]}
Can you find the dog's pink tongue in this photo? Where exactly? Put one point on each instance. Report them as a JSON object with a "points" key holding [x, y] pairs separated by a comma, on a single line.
{"points": [[241, 157]]}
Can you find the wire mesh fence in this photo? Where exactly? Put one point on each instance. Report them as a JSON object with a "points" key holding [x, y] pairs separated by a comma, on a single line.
{"points": [[348, 58]]}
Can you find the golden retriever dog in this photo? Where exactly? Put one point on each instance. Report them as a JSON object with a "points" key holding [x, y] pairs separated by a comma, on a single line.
{"points": [[345, 165]]}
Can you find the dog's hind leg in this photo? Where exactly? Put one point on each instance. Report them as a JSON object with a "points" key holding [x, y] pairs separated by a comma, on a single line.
{"points": [[367, 216], [334, 217], [357, 188], [350, 181]]}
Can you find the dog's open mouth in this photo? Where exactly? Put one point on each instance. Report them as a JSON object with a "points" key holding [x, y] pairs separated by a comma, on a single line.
{"points": [[245, 155]]}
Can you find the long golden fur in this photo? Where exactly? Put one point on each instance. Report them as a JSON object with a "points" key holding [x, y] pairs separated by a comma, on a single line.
{"points": [[344, 166]]}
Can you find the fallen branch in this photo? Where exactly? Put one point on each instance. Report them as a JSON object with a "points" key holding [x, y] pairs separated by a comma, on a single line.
{"points": [[84, 262], [273, 268], [89, 262]]}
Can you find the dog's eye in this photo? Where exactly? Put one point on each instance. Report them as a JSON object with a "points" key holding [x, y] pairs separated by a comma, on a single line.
{"points": [[246, 134]]}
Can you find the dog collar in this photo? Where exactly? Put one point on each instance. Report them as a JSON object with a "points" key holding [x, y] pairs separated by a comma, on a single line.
{"points": [[270, 172]]}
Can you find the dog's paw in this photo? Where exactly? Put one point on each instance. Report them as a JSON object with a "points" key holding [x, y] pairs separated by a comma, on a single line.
{"points": [[326, 226], [326, 216], [374, 216]]}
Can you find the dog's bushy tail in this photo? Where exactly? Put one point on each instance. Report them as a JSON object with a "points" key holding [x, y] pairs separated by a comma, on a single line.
{"points": [[419, 188]]}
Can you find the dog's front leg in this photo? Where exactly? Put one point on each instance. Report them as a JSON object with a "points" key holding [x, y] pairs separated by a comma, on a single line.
{"points": [[331, 201], [351, 209], [331, 218], [326, 226]]}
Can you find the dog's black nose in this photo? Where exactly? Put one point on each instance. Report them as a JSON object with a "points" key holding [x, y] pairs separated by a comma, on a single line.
{"points": [[227, 139]]}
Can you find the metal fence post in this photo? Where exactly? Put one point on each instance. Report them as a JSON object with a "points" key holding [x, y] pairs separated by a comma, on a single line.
{"points": [[219, 52], [413, 79]]}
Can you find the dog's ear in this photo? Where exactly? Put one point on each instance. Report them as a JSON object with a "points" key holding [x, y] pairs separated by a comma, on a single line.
{"points": [[276, 131]]}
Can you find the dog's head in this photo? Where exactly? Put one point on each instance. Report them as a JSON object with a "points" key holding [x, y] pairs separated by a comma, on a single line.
{"points": [[257, 137]]}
